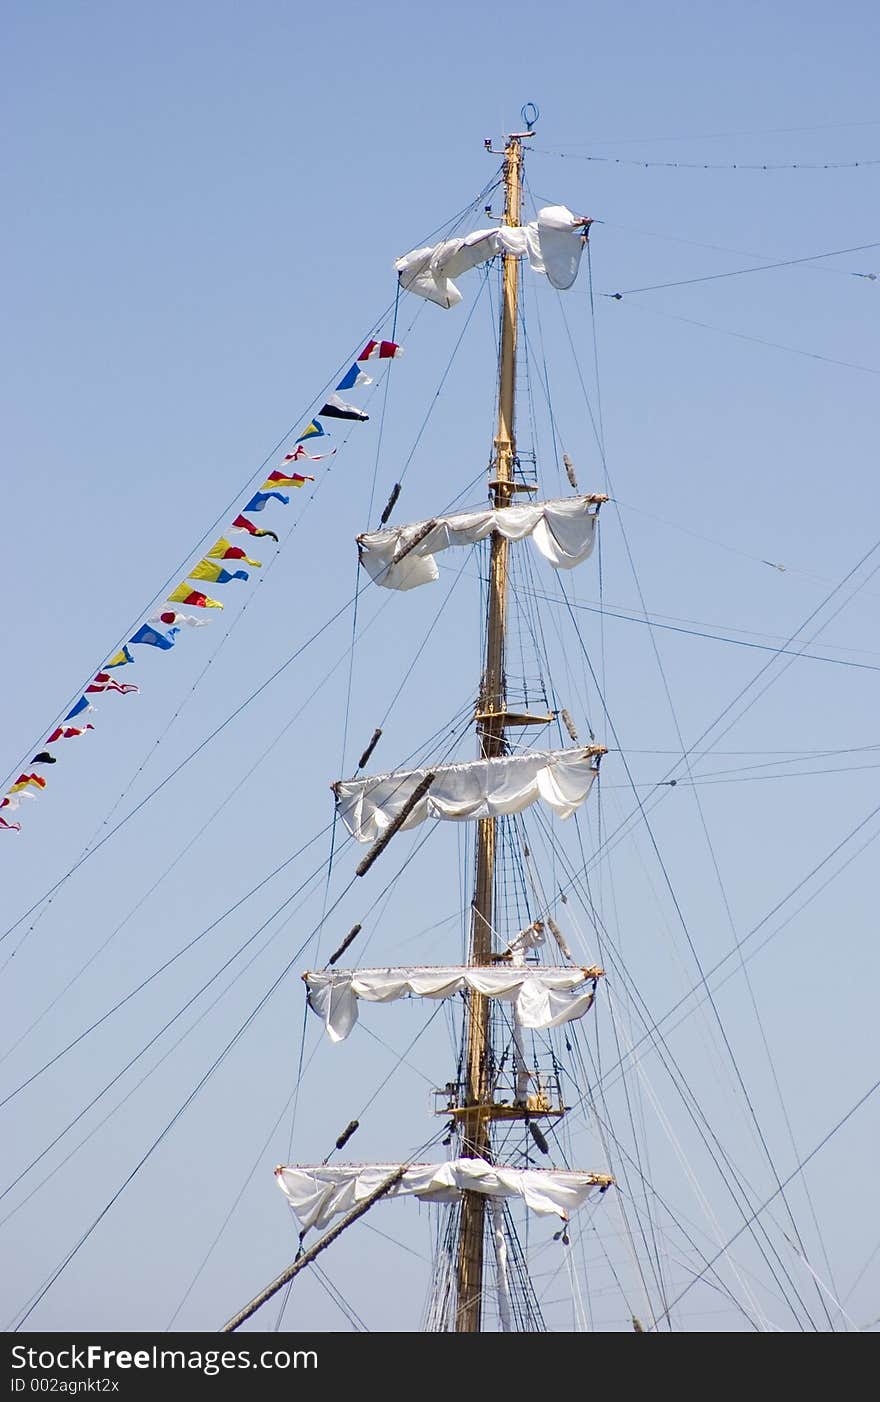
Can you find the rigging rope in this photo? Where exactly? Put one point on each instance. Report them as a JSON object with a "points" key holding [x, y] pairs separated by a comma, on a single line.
{"points": [[271, 990], [794, 1174], [740, 272], [712, 853], [706, 165], [757, 340]]}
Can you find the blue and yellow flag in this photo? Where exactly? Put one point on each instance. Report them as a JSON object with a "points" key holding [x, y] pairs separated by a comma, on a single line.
{"points": [[119, 660], [216, 574], [314, 430]]}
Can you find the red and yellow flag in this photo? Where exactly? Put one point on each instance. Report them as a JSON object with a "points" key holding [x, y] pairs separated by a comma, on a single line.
{"points": [[24, 780], [284, 479], [222, 550], [184, 595]]}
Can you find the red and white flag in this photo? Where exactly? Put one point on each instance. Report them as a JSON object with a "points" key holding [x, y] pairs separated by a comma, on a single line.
{"points": [[169, 616], [104, 682], [68, 732], [381, 350], [311, 457]]}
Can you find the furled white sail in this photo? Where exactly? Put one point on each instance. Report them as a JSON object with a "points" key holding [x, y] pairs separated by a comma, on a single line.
{"points": [[319, 1192], [541, 997], [552, 243], [483, 788], [428, 272], [563, 531], [502, 1278]]}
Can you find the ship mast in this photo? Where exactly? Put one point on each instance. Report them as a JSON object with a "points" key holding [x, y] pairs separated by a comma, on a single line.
{"points": [[475, 1121], [374, 808]]}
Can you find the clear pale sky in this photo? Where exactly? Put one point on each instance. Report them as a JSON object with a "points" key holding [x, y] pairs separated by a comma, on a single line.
{"points": [[203, 203]]}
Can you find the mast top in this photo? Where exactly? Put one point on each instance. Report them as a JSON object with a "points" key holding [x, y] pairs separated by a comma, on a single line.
{"points": [[530, 113], [511, 136]]}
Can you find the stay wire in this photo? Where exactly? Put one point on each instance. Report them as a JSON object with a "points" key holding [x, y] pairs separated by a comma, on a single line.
{"points": [[184, 762], [286, 1296], [692, 947], [276, 983], [376, 325], [250, 769], [724, 248], [776, 908], [607, 1132], [756, 340], [716, 135], [635, 998], [541, 649], [382, 415], [652, 621], [156, 972], [794, 1174], [43, 1291], [228, 1218], [727, 1171], [663, 1050], [338, 1299], [443, 378], [154, 745], [706, 165], [348, 702], [740, 272], [70, 1154], [598, 422], [596, 361], [712, 853], [652, 1248], [164, 1028], [240, 491]]}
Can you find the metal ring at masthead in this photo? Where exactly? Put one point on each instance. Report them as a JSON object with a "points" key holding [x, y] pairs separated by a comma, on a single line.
{"points": [[530, 114]]}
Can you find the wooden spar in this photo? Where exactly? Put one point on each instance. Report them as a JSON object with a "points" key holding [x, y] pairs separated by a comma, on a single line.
{"points": [[569, 724], [374, 740], [338, 953], [558, 936], [390, 504], [350, 1129], [382, 842], [475, 1127], [306, 1259]]}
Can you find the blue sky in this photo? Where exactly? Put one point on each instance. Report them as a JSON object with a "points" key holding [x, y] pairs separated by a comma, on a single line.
{"points": [[204, 203]]}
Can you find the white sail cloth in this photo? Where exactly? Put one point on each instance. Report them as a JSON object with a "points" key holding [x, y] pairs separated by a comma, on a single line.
{"points": [[484, 788], [318, 1193], [563, 530], [542, 997], [552, 244], [502, 1277]]}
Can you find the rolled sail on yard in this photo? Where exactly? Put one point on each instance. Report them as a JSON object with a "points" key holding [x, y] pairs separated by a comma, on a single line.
{"points": [[541, 997], [553, 244], [319, 1192], [563, 531], [486, 788]]}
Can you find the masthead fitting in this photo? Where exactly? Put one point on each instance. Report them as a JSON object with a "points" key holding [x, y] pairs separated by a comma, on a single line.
{"points": [[530, 114]]}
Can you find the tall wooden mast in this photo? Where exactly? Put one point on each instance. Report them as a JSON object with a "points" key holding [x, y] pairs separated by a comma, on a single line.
{"points": [[475, 1121]]}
